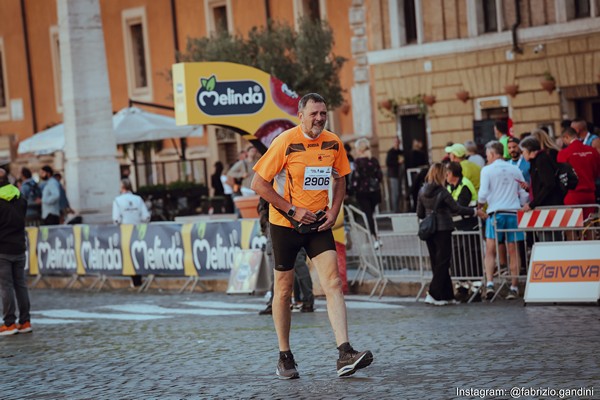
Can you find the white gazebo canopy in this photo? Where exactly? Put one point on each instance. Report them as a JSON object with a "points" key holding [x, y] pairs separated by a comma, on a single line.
{"points": [[131, 125]]}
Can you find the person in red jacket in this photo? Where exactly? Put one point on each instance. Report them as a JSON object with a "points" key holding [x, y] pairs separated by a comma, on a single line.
{"points": [[585, 160]]}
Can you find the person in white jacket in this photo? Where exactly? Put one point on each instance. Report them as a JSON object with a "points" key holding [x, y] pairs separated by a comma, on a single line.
{"points": [[129, 208]]}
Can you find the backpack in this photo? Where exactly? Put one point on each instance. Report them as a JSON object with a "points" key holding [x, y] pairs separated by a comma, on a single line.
{"points": [[566, 177]]}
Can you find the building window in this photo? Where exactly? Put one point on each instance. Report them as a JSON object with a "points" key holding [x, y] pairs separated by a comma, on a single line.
{"points": [[484, 16], [4, 113], [56, 67], [137, 57], [218, 16], [490, 16], [582, 9], [410, 21], [311, 9], [406, 22]]}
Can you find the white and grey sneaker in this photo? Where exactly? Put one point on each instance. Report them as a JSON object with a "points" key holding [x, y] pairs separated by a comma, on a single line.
{"points": [[430, 300], [351, 361], [286, 368]]}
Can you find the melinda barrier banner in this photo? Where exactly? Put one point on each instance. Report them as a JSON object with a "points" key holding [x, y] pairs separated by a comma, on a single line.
{"points": [[192, 249]]}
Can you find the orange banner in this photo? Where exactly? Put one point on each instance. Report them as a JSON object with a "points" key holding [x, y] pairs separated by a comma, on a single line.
{"points": [[565, 271]]}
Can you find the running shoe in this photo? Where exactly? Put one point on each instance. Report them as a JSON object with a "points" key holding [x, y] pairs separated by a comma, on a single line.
{"points": [[489, 292], [6, 330], [286, 368], [24, 327], [351, 361], [512, 295]]}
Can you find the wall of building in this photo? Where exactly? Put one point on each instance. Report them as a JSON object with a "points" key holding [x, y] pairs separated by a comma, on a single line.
{"points": [[572, 58]]}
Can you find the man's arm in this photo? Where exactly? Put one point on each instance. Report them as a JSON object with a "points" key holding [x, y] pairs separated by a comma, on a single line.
{"points": [[596, 144], [237, 170], [145, 215], [265, 190], [51, 193], [116, 212]]}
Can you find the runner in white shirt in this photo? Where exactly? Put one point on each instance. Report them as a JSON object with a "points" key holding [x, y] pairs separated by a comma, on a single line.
{"points": [[500, 188], [129, 208]]}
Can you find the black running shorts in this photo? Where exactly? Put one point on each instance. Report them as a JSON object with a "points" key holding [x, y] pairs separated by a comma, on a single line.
{"points": [[287, 242]]}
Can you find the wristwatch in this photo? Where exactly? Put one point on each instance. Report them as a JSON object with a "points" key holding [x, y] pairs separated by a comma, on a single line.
{"points": [[292, 212]]}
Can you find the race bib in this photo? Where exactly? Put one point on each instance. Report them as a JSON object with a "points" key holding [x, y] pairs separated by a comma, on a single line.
{"points": [[317, 178]]}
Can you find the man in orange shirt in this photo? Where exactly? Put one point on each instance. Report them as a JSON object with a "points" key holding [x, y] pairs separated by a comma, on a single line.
{"points": [[303, 162]]}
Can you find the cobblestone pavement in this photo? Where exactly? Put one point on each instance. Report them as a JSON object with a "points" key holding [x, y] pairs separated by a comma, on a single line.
{"points": [[123, 345]]}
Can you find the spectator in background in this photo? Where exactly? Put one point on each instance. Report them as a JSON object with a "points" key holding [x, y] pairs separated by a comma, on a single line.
{"points": [[418, 157], [585, 160], [500, 190], [63, 201], [215, 180], [218, 181], [13, 283], [458, 153], [546, 143], [50, 197], [366, 181], [473, 154], [463, 192], [242, 172], [129, 208], [439, 245], [501, 133], [544, 188], [394, 162], [303, 288], [585, 135], [516, 158], [33, 195]]}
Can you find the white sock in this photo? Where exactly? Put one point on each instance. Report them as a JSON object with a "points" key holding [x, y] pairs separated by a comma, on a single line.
{"points": [[515, 288]]}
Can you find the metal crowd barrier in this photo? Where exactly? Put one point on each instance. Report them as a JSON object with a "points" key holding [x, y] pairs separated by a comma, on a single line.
{"points": [[403, 256], [536, 232], [363, 244], [468, 260]]}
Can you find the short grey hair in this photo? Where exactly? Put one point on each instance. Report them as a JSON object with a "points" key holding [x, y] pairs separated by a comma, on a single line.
{"points": [[126, 183], [317, 98], [496, 147], [471, 146]]}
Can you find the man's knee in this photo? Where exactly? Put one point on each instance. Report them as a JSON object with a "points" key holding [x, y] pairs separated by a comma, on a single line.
{"points": [[332, 284]]}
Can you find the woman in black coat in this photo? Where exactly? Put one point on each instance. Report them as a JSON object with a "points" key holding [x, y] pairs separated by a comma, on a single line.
{"points": [[439, 245]]}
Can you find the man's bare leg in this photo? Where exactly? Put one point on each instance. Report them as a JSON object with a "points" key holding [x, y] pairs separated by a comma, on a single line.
{"points": [[513, 259], [327, 269], [490, 259], [282, 315]]}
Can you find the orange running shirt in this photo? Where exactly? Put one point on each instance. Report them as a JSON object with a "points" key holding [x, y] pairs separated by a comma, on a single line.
{"points": [[302, 169]]}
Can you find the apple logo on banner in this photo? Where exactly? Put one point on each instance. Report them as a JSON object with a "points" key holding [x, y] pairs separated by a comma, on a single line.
{"points": [[229, 97]]}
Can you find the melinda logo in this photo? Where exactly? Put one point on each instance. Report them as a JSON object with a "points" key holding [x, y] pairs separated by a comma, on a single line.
{"points": [[229, 97]]}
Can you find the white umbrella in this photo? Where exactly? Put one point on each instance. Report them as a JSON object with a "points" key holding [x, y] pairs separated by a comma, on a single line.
{"points": [[131, 125]]}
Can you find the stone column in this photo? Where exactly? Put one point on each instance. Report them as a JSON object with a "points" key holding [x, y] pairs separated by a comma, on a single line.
{"points": [[361, 91], [91, 168]]}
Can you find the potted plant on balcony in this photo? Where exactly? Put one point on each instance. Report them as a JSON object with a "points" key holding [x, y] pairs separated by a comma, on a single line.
{"points": [[511, 89], [548, 82], [463, 95]]}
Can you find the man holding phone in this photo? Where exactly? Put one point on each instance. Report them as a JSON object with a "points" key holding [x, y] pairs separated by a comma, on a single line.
{"points": [[303, 162]]}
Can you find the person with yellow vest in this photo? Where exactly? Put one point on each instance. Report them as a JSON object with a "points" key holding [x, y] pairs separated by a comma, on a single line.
{"points": [[458, 153], [463, 192]]}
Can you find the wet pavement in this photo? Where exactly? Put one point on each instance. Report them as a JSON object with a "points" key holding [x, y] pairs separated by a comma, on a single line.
{"points": [[125, 345]]}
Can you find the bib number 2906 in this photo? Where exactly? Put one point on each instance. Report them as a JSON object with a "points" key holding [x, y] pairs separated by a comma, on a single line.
{"points": [[317, 178]]}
